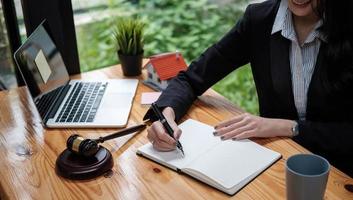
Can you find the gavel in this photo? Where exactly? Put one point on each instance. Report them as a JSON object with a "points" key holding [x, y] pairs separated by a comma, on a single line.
{"points": [[89, 147]]}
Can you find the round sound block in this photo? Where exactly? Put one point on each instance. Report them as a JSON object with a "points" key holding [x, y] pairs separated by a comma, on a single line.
{"points": [[73, 166]]}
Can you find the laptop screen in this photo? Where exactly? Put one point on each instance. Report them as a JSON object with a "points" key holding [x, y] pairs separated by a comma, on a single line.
{"points": [[42, 68]]}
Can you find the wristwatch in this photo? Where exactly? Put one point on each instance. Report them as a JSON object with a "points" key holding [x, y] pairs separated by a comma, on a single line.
{"points": [[295, 129]]}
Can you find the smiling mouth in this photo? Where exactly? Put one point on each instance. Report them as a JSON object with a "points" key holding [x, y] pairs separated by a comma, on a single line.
{"points": [[301, 2]]}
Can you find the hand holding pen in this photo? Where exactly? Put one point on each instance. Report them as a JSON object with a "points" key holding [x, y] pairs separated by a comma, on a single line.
{"points": [[158, 134]]}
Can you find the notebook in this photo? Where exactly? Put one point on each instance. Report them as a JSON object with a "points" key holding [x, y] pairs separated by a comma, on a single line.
{"points": [[225, 165]]}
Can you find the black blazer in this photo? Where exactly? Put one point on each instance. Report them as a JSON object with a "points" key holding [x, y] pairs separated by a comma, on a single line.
{"points": [[328, 129]]}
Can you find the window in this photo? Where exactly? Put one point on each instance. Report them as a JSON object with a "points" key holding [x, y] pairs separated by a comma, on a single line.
{"points": [[187, 26], [168, 26], [149, 75], [7, 75], [7, 66], [93, 24]]}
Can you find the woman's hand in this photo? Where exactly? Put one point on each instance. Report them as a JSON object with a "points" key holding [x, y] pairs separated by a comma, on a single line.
{"points": [[159, 137], [247, 126]]}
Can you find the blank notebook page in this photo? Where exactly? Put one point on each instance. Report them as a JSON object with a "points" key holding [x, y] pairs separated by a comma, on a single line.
{"points": [[231, 162]]}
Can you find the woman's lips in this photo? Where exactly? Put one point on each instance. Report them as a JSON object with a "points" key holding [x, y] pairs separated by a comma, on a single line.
{"points": [[301, 2]]}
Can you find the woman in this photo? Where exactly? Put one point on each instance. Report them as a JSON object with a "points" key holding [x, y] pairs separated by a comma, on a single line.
{"points": [[301, 55]]}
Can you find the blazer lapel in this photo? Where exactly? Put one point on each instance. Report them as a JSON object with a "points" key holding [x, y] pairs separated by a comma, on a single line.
{"points": [[280, 71]]}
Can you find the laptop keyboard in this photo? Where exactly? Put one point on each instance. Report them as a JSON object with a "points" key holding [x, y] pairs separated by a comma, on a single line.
{"points": [[82, 103], [44, 102]]}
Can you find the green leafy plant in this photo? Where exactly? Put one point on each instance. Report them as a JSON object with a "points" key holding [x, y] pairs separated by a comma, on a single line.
{"points": [[129, 36]]}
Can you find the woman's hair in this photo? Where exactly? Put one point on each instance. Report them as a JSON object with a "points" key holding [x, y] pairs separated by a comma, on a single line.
{"points": [[337, 26]]}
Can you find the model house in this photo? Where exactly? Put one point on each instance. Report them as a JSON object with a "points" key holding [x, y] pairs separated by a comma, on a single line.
{"points": [[162, 68]]}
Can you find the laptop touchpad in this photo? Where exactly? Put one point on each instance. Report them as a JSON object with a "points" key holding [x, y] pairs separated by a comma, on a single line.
{"points": [[116, 100]]}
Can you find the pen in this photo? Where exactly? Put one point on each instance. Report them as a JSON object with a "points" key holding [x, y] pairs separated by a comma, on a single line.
{"points": [[169, 129]]}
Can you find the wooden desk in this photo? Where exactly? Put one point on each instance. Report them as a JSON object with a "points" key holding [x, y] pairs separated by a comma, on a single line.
{"points": [[28, 153]]}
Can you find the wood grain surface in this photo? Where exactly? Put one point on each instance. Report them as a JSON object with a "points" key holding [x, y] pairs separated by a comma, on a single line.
{"points": [[28, 153]]}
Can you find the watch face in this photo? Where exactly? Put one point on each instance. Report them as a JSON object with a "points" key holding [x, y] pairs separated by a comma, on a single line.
{"points": [[295, 129]]}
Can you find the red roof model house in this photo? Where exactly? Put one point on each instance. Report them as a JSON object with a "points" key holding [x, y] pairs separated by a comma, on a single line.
{"points": [[162, 68]]}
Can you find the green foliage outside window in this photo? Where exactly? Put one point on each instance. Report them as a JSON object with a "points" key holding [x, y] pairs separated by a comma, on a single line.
{"points": [[3, 39], [188, 26]]}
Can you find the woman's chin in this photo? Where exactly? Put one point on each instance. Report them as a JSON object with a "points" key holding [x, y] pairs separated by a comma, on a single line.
{"points": [[301, 8], [302, 11]]}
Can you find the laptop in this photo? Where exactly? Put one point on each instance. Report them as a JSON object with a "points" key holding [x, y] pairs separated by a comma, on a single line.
{"points": [[65, 103]]}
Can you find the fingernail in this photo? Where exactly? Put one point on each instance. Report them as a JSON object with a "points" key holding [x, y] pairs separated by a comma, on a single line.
{"points": [[222, 138], [215, 133]]}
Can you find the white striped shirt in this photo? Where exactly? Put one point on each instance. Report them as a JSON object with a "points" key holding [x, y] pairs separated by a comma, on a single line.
{"points": [[302, 56]]}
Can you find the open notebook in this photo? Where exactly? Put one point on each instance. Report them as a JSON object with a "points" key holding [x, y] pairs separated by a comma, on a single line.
{"points": [[226, 165]]}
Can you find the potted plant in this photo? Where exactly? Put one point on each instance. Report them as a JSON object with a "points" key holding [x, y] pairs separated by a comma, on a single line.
{"points": [[129, 39]]}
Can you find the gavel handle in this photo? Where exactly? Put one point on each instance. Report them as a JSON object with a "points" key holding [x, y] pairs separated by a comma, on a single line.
{"points": [[121, 133]]}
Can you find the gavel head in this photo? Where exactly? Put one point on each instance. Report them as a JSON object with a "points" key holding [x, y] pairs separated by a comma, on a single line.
{"points": [[81, 146]]}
